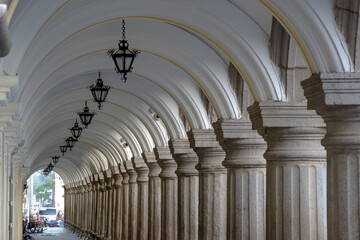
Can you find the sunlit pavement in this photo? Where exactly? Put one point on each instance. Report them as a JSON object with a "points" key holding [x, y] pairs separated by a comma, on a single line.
{"points": [[55, 233]]}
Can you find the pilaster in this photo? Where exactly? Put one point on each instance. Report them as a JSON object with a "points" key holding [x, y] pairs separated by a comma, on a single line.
{"points": [[212, 184], [296, 169]]}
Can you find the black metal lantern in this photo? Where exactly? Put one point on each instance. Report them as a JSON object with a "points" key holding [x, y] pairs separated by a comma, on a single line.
{"points": [[50, 167], [123, 58], [70, 142], [86, 116], [55, 159], [99, 91], [76, 130], [63, 149]]}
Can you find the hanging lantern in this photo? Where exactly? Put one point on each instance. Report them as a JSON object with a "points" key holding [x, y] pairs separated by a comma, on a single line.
{"points": [[55, 159], [76, 130], [63, 149], [51, 167], [123, 58], [99, 91], [70, 142], [86, 116]]}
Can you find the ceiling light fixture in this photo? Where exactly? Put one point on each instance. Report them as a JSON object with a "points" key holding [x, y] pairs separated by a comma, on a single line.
{"points": [[99, 91], [70, 142], [55, 159], [63, 149], [76, 130], [86, 116], [123, 57]]}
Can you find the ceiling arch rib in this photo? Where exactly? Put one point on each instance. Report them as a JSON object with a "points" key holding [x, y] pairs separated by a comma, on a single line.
{"points": [[33, 10], [62, 110], [65, 166], [100, 130], [202, 122], [313, 26], [72, 87], [90, 157], [222, 36], [58, 89]]}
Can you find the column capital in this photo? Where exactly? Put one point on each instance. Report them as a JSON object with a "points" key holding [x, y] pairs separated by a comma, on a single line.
{"points": [[152, 164], [332, 89], [131, 171], [141, 169], [166, 162], [117, 177], [244, 147], [124, 174], [282, 115], [208, 149], [289, 126], [109, 179], [184, 156], [101, 182]]}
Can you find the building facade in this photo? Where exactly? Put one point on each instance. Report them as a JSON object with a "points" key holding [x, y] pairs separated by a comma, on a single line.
{"points": [[239, 119]]}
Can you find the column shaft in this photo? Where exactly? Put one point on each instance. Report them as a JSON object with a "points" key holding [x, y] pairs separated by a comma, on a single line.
{"points": [[143, 197], [188, 187], [212, 184], [296, 170], [169, 193], [335, 96], [125, 202], [154, 215], [246, 172]]}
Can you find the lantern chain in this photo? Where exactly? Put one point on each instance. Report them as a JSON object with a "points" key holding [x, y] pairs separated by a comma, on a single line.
{"points": [[123, 29]]}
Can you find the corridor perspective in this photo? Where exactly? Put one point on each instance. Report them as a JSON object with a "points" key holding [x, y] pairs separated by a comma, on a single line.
{"points": [[184, 120]]}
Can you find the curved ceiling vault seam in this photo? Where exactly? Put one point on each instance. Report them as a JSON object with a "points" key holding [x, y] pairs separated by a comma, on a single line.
{"points": [[59, 120], [93, 160], [37, 33], [56, 117], [146, 17], [162, 87]]}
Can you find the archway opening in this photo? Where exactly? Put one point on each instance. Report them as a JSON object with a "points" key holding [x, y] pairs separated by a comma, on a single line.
{"points": [[43, 202]]}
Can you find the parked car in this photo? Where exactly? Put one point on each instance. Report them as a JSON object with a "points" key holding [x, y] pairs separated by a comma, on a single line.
{"points": [[47, 213]]}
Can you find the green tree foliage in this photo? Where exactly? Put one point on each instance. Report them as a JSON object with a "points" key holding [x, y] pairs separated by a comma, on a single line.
{"points": [[43, 190]]}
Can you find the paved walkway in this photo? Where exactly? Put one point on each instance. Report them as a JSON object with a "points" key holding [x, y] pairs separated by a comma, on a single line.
{"points": [[55, 233]]}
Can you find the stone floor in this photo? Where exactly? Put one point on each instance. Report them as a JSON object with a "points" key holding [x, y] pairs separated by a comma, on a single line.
{"points": [[55, 233]]}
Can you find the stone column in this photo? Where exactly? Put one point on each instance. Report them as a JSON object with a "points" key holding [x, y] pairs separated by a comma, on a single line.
{"points": [[125, 203], [296, 169], [143, 197], [101, 207], [84, 212], [188, 184], [109, 203], [89, 207], [117, 203], [169, 193], [95, 204], [154, 196], [212, 184], [133, 200], [335, 96], [246, 176]]}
